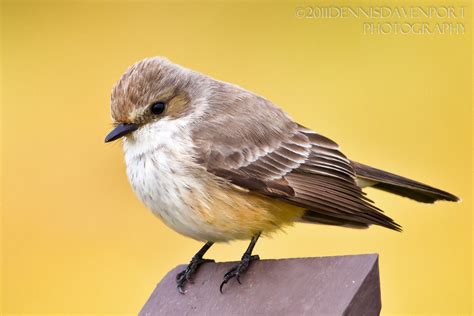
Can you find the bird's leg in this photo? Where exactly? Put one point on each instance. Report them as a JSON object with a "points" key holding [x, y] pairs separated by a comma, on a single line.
{"points": [[185, 275], [239, 269]]}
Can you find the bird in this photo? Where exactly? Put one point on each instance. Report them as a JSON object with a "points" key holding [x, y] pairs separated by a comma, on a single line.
{"points": [[216, 162]]}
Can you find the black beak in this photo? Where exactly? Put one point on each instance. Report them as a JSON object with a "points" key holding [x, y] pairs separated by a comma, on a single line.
{"points": [[120, 131]]}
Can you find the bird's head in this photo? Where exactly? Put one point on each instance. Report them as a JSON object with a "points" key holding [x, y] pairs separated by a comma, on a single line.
{"points": [[150, 90]]}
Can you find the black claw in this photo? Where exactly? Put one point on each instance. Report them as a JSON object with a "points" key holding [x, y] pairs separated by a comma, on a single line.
{"points": [[186, 275], [181, 290], [222, 285], [238, 270]]}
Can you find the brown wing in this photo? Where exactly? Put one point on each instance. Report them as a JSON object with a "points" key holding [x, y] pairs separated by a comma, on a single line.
{"points": [[255, 145]]}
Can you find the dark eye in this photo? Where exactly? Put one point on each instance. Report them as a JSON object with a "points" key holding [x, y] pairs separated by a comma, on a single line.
{"points": [[157, 108]]}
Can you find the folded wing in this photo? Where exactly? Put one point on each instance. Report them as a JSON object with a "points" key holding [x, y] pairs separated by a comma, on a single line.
{"points": [[255, 145]]}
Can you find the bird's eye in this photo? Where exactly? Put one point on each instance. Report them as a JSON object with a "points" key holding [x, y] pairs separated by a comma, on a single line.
{"points": [[157, 108]]}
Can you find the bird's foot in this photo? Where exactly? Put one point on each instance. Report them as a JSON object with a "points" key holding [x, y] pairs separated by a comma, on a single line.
{"points": [[186, 275], [238, 270]]}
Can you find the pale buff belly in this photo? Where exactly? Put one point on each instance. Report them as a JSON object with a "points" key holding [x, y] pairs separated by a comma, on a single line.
{"points": [[201, 206], [235, 214], [190, 200]]}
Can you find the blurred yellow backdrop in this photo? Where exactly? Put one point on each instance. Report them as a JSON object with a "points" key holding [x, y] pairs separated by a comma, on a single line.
{"points": [[75, 238]]}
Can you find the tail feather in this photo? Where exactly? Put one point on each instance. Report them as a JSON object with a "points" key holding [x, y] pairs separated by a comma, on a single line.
{"points": [[399, 185]]}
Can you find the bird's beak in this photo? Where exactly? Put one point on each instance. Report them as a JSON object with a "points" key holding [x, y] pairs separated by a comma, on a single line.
{"points": [[120, 131]]}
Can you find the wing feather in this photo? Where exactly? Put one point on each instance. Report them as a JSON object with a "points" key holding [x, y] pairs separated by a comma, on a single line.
{"points": [[261, 149]]}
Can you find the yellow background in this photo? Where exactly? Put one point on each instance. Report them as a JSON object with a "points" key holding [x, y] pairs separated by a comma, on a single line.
{"points": [[75, 238]]}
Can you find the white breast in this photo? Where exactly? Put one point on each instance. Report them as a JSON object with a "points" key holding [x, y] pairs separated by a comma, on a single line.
{"points": [[163, 175]]}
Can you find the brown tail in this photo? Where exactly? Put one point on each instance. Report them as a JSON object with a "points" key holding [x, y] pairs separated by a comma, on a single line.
{"points": [[392, 183]]}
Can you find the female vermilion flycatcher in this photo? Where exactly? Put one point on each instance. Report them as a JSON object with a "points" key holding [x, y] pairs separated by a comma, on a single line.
{"points": [[216, 162]]}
